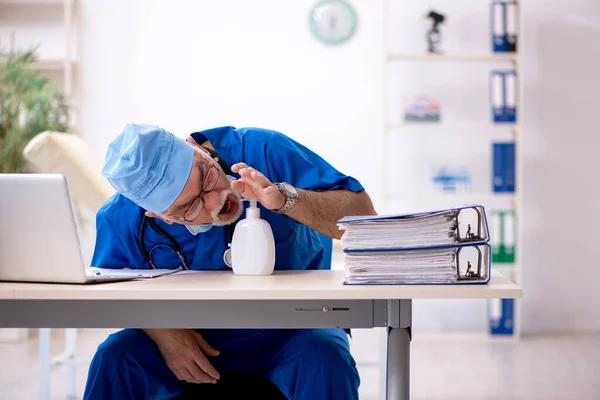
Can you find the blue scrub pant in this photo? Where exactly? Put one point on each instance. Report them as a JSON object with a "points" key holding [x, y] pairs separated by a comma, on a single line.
{"points": [[305, 364]]}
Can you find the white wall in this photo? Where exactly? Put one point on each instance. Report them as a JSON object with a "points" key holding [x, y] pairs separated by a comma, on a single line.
{"points": [[562, 191], [191, 65]]}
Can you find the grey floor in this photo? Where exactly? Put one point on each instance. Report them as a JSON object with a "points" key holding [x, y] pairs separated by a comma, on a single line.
{"points": [[443, 367]]}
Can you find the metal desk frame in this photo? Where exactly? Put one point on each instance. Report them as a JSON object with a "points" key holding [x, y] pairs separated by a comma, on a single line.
{"points": [[395, 315]]}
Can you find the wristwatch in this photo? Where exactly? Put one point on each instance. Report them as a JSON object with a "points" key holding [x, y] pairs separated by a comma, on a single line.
{"points": [[290, 193]]}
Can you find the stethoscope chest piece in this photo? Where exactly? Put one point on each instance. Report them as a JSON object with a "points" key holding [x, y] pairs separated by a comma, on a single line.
{"points": [[227, 258]]}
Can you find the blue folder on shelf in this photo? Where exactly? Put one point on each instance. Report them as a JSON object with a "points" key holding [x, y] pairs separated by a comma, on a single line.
{"points": [[504, 25], [448, 246], [504, 167], [503, 95], [498, 26], [510, 96]]}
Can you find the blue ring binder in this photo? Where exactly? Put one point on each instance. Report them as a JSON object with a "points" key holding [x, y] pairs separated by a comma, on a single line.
{"points": [[430, 247]]}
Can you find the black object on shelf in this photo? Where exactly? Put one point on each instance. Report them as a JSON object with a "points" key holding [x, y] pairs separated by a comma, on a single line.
{"points": [[434, 36]]}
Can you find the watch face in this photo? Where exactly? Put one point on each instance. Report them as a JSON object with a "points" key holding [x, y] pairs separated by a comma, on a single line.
{"points": [[288, 188], [332, 21]]}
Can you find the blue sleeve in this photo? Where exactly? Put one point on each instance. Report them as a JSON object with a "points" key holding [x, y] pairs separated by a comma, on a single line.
{"points": [[291, 162], [109, 251]]}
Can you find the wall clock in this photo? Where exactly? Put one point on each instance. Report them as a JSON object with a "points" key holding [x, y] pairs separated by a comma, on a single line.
{"points": [[332, 21]]}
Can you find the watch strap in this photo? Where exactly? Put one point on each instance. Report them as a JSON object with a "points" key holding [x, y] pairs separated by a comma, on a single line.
{"points": [[289, 202]]}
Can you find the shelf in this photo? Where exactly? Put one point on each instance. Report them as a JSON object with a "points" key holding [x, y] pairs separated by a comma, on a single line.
{"points": [[503, 57], [505, 267], [512, 272], [427, 201], [51, 65], [454, 126], [456, 195], [34, 2]]}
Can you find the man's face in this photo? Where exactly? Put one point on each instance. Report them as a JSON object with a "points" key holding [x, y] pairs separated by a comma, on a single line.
{"points": [[207, 197]]}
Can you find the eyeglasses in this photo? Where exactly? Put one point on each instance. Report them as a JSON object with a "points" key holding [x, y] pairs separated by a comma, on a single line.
{"points": [[195, 209]]}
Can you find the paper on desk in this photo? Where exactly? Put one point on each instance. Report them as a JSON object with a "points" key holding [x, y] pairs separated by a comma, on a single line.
{"points": [[434, 265], [131, 273], [189, 272]]}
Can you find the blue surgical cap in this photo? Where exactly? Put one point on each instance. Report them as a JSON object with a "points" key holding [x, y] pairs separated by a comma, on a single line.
{"points": [[148, 165]]}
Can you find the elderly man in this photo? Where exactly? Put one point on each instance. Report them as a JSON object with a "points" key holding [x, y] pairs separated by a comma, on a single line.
{"points": [[176, 203]]}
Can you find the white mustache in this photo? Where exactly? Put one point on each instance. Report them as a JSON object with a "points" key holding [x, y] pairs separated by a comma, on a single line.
{"points": [[214, 213]]}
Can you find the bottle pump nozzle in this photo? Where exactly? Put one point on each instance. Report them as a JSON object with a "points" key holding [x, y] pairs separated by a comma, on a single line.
{"points": [[252, 212]]}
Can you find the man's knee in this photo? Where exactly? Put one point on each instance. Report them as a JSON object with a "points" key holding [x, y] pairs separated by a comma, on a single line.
{"points": [[118, 345], [128, 365], [126, 354], [332, 352], [325, 367]]}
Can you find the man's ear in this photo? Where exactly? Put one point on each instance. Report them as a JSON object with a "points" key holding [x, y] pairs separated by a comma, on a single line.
{"points": [[191, 140], [152, 215]]}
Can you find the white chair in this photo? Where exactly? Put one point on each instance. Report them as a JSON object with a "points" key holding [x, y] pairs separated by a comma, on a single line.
{"points": [[69, 155]]}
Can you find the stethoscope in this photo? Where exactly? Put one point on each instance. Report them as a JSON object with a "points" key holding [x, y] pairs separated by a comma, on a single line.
{"points": [[173, 243]]}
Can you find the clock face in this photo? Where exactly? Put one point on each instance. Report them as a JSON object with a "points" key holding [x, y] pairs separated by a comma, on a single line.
{"points": [[332, 21]]}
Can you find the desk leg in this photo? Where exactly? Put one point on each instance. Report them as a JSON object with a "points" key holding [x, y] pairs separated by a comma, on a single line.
{"points": [[398, 364], [44, 363], [70, 351], [398, 350]]}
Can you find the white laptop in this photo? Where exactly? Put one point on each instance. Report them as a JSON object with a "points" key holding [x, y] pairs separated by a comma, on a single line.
{"points": [[38, 235]]}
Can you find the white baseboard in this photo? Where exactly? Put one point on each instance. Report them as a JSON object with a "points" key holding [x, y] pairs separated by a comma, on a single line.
{"points": [[13, 334]]}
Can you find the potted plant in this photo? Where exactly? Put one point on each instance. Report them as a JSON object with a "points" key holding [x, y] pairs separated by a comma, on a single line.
{"points": [[30, 103]]}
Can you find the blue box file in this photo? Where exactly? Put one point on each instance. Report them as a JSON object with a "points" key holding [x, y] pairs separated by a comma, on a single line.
{"points": [[502, 323], [498, 26], [503, 167]]}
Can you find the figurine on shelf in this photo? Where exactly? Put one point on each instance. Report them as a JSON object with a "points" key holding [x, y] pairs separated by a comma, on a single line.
{"points": [[433, 35]]}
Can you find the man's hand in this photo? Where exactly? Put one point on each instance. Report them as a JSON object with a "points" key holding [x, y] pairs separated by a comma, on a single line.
{"points": [[184, 351], [253, 185], [319, 210]]}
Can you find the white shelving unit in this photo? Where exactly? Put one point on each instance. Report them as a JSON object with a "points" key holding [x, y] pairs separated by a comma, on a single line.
{"points": [[454, 126], [50, 25], [427, 200], [453, 57]]}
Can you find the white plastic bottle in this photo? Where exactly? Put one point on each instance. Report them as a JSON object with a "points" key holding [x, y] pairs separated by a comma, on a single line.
{"points": [[253, 245]]}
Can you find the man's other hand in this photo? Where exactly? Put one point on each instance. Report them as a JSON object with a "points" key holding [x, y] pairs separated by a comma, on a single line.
{"points": [[253, 185], [185, 351]]}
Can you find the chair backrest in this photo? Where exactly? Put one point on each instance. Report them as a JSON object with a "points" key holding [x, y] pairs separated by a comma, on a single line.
{"points": [[69, 155]]}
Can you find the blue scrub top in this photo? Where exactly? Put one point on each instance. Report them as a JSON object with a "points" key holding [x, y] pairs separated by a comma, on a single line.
{"points": [[277, 156]]}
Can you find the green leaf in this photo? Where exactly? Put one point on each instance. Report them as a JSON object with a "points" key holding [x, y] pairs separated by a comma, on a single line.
{"points": [[29, 104]]}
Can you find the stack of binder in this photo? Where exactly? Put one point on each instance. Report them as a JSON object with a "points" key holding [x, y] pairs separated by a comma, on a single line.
{"points": [[504, 26], [503, 95], [447, 246]]}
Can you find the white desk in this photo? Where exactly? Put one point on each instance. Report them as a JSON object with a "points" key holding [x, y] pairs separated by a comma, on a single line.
{"points": [[294, 299]]}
